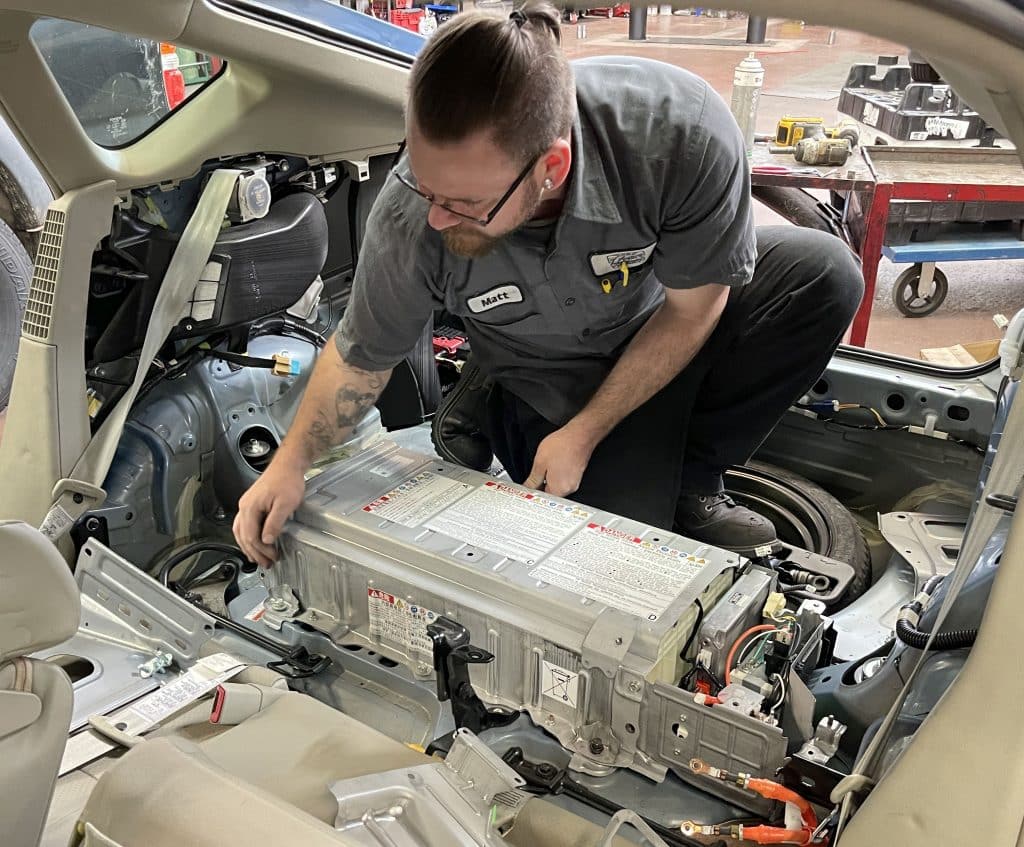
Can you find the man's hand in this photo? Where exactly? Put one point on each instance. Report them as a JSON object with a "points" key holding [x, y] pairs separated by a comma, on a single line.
{"points": [[264, 508], [560, 461], [335, 401]]}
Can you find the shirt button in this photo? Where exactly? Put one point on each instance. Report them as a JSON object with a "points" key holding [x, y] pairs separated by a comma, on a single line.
{"points": [[569, 301], [586, 332]]}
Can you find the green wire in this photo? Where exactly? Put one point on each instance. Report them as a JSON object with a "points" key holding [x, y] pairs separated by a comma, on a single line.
{"points": [[761, 640]]}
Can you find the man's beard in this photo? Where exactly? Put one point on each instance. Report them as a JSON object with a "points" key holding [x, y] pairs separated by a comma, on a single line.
{"points": [[471, 242]]}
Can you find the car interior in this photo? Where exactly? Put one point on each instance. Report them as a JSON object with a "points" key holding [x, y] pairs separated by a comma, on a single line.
{"points": [[399, 677]]}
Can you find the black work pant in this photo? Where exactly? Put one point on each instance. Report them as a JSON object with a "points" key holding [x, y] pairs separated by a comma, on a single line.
{"points": [[773, 342]]}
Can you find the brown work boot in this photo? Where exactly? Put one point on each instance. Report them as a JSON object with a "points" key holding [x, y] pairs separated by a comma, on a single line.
{"points": [[718, 520]]}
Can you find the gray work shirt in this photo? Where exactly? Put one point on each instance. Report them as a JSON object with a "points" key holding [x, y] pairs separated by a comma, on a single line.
{"points": [[659, 184]]}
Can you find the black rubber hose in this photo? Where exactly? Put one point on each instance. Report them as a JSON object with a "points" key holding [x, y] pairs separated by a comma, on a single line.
{"points": [[952, 640], [913, 637], [192, 549]]}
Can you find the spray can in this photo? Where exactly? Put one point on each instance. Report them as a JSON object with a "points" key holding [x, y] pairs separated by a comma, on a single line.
{"points": [[746, 91]]}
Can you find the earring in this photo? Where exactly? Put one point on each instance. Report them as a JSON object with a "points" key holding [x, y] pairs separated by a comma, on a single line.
{"points": [[548, 184]]}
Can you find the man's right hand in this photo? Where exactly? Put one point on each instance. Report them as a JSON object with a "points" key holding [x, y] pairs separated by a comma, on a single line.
{"points": [[264, 508], [337, 398]]}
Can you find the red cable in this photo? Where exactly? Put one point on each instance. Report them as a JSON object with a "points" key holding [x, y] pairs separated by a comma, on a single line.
{"points": [[732, 653], [776, 835], [774, 791]]}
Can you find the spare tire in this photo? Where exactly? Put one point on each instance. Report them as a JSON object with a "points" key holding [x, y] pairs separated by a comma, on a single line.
{"points": [[805, 515], [15, 279]]}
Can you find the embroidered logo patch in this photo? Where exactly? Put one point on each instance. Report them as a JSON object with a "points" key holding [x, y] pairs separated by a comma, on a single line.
{"points": [[499, 296], [606, 263]]}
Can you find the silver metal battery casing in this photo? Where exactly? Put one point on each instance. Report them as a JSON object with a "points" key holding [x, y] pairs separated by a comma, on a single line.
{"points": [[736, 612], [516, 568]]}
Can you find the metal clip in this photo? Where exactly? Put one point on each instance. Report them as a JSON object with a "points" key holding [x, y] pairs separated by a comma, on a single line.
{"points": [[819, 835]]}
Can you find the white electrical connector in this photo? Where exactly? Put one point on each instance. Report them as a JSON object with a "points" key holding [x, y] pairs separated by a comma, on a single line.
{"points": [[775, 604], [930, 433]]}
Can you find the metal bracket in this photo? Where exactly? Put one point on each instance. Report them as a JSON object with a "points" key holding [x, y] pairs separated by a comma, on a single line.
{"points": [[471, 766], [129, 598], [825, 743], [468, 800], [541, 777], [453, 654], [930, 543]]}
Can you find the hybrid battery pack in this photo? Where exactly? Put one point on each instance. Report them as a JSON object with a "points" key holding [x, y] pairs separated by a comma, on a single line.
{"points": [[584, 611]]}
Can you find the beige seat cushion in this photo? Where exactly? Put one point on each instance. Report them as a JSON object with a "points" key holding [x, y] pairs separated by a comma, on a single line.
{"points": [[167, 793], [298, 746]]}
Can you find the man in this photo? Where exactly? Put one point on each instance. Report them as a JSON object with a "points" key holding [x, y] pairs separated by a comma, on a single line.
{"points": [[592, 228]]}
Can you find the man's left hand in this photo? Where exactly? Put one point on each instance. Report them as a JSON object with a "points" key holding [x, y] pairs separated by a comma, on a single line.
{"points": [[561, 459]]}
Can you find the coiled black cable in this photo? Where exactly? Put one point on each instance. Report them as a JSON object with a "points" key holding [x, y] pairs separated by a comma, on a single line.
{"points": [[913, 637], [954, 639], [184, 553]]}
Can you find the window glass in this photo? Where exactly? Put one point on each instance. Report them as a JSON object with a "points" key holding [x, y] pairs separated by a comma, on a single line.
{"points": [[890, 96], [119, 85]]}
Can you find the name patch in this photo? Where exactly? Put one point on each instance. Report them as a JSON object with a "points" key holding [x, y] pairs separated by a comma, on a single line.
{"points": [[606, 263], [499, 296]]}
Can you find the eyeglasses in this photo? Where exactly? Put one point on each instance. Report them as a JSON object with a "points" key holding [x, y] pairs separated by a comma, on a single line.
{"points": [[484, 221]]}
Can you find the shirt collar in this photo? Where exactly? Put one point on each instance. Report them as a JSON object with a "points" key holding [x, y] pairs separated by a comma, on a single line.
{"points": [[589, 198]]}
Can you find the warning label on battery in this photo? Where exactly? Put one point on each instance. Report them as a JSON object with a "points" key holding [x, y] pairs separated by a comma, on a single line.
{"points": [[511, 521], [418, 499], [398, 621], [559, 684], [620, 570]]}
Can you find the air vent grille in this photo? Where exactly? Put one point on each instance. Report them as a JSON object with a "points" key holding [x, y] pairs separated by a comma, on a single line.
{"points": [[39, 310]]}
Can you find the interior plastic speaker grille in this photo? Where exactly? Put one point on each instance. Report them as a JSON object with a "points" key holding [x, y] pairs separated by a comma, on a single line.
{"points": [[39, 310]]}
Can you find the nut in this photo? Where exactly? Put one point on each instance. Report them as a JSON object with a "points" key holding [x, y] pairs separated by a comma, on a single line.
{"points": [[545, 770], [634, 687], [596, 746], [277, 604]]}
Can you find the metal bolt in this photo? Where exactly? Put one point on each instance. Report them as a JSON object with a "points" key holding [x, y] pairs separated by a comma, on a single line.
{"points": [[277, 604], [78, 498], [597, 746], [92, 524], [549, 720], [634, 686], [313, 616], [545, 770], [618, 642], [676, 751], [158, 664]]}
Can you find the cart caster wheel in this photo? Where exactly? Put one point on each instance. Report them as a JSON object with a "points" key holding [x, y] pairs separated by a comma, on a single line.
{"points": [[911, 300]]}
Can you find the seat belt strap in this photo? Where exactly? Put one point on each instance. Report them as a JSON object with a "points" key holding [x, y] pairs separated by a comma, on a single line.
{"points": [[82, 489]]}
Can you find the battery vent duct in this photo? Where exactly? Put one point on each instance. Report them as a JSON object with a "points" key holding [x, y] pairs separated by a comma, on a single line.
{"points": [[39, 309]]}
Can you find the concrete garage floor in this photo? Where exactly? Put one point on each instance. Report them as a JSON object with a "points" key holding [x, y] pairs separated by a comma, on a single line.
{"points": [[804, 75]]}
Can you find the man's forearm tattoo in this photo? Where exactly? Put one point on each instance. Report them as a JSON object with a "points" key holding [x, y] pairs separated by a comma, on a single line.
{"points": [[350, 405], [320, 437]]}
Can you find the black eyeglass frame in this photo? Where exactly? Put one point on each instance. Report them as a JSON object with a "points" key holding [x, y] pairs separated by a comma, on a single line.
{"points": [[491, 215]]}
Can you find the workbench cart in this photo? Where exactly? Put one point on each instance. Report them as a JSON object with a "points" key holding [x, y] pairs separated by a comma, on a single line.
{"points": [[874, 177]]}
